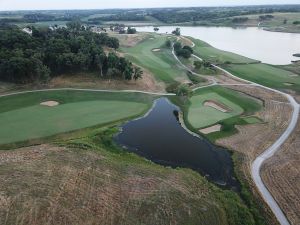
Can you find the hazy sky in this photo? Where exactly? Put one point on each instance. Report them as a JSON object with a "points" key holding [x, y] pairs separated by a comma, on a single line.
{"points": [[104, 4]]}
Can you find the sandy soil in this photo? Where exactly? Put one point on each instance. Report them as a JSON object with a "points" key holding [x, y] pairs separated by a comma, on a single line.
{"points": [[156, 50], [216, 105], [50, 103], [281, 174], [211, 129]]}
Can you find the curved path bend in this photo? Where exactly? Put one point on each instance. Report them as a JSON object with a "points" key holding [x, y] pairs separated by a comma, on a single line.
{"points": [[269, 152]]}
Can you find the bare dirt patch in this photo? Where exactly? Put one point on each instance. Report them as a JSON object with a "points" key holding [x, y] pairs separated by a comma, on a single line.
{"points": [[217, 105], [50, 103], [156, 50], [147, 83], [211, 129]]}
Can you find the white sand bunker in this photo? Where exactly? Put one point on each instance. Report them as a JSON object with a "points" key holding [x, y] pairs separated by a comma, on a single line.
{"points": [[217, 106], [50, 103], [211, 129], [156, 50], [288, 84], [151, 38]]}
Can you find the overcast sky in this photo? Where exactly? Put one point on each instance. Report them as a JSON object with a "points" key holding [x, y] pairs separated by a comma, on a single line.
{"points": [[104, 4]]}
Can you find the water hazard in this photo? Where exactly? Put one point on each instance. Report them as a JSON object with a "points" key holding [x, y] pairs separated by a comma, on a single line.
{"points": [[159, 137]]}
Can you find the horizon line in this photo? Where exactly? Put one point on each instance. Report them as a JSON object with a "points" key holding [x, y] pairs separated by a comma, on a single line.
{"points": [[167, 7]]}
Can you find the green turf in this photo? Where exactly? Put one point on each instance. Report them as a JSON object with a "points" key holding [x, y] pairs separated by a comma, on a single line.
{"points": [[162, 64], [214, 55], [23, 118], [200, 116], [266, 75]]}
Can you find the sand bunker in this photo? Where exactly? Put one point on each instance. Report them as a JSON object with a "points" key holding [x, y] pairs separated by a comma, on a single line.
{"points": [[217, 106], [288, 84], [211, 129], [151, 38], [50, 103], [156, 50]]}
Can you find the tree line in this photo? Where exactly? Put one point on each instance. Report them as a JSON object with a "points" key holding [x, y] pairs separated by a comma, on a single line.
{"points": [[47, 53]]}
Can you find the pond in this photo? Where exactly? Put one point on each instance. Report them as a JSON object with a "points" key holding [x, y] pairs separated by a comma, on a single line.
{"points": [[159, 137], [269, 47]]}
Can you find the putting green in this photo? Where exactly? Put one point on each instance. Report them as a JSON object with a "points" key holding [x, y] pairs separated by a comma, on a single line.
{"points": [[202, 116], [36, 121]]}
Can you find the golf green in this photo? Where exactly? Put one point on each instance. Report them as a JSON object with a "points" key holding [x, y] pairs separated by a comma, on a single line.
{"points": [[37, 121]]}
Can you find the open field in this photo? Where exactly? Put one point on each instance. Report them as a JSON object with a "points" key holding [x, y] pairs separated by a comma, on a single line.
{"points": [[161, 63], [88, 181], [281, 175], [23, 118], [201, 115], [267, 75], [217, 56]]}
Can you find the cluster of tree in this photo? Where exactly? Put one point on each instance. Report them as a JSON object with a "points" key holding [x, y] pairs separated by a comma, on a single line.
{"points": [[156, 29], [129, 30], [179, 15], [296, 22], [28, 58], [240, 19], [122, 17], [185, 51], [265, 17], [176, 31], [204, 63]]}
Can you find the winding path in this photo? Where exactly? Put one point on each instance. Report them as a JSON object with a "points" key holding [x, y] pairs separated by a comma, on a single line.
{"points": [[269, 152]]}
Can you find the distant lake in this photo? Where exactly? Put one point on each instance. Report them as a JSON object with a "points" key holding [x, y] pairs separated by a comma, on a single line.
{"points": [[160, 137], [269, 47]]}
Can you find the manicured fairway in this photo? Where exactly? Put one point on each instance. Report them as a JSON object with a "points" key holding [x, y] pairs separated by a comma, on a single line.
{"points": [[214, 55], [266, 75], [161, 63], [26, 120], [200, 116]]}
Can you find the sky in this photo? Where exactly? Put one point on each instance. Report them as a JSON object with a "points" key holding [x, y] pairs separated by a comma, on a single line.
{"points": [[108, 4]]}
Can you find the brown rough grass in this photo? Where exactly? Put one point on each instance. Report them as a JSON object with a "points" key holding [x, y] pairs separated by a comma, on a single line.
{"points": [[45, 185], [252, 140], [281, 173]]}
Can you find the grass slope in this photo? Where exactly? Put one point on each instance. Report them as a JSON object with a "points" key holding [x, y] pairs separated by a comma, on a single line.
{"points": [[22, 117], [161, 63], [214, 55], [267, 75]]}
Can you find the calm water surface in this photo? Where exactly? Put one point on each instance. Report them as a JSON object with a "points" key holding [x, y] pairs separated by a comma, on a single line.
{"points": [[159, 137], [269, 47]]}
